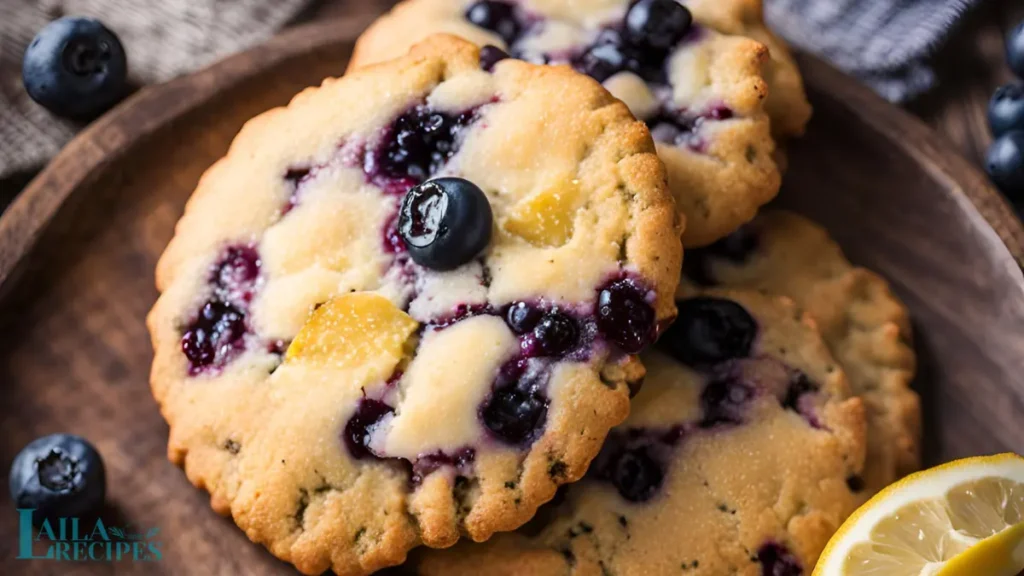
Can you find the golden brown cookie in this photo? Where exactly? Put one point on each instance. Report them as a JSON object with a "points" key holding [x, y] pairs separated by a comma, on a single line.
{"points": [[736, 459], [701, 92], [865, 325], [344, 397]]}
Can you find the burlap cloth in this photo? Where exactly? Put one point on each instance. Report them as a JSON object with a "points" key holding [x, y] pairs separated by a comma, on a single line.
{"points": [[163, 38]]}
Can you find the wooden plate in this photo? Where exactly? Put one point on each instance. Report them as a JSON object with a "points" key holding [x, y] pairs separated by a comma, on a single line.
{"points": [[78, 248]]}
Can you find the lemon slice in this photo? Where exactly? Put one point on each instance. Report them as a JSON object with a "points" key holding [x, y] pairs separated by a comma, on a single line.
{"points": [[965, 518]]}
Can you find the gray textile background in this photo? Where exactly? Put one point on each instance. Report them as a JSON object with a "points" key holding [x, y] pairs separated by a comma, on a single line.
{"points": [[883, 42]]}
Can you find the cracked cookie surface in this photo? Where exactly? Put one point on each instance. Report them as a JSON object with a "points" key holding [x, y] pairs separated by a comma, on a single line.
{"points": [[702, 92], [345, 404], [862, 321], [735, 459]]}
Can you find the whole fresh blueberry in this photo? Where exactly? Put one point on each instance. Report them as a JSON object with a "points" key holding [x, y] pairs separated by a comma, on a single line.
{"points": [[1006, 109], [76, 68], [59, 475], [1015, 49], [445, 223], [1005, 163], [625, 317], [498, 17], [709, 331], [657, 24]]}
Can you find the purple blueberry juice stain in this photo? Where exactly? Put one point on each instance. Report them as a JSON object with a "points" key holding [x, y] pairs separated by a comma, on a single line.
{"points": [[218, 332], [724, 401], [392, 239], [491, 55], [426, 464], [517, 408], [357, 431], [295, 177], [736, 248], [777, 560], [635, 460], [799, 398]]}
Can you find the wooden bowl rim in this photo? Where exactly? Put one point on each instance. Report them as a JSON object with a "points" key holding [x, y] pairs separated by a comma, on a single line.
{"points": [[111, 137]]}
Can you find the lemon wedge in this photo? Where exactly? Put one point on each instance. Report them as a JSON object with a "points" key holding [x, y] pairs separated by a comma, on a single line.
{"points": [[965, 518]]}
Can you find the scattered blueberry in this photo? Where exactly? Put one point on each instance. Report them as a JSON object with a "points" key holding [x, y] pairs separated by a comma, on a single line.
{"points": [[445, 223], [419, 142], [1015, 50], [491, 55], [709, 331], [357, 429], [657, 24], [776, 560], [76, 68], [555, 334], [625, 317], [213, 336], [521, 317], [498, 17], [723, 401], [517, 408], [1006, 109], [1005, 163], [427, 464], [59, 475]]}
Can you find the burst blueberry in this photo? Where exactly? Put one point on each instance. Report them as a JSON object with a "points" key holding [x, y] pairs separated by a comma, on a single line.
{"points": [[709, 331], [357, 430], [58, 476], [724, 400], [777, 560], [516, 410], [555, 334], [75, 67], [445, 223], [213, 336], [420, 142]]}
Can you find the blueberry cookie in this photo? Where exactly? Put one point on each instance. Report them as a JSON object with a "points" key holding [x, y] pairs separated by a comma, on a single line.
{"points": [[864, 324], [701, 92], [407, 306], [735, 459]]}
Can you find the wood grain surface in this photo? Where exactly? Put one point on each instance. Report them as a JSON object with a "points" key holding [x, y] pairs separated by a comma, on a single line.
{"points": [[77, 252]]}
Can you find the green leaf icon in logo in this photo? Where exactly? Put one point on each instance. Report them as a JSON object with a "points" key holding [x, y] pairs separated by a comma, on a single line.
{"points": [[117, 532]]}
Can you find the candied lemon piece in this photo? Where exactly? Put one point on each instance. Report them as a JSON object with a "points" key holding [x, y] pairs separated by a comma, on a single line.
{"points": [[546, 218], [353, 331]]}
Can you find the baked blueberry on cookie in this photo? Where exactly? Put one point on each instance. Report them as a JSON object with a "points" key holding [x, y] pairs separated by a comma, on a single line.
{"points": [[734, 459], [406, 307], [864, 324], [701, 91]]}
